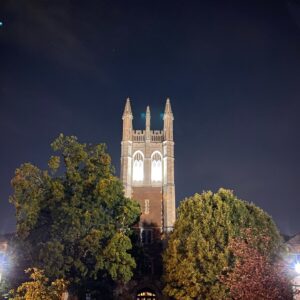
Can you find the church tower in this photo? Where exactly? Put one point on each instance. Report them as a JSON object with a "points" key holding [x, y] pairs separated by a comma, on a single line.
{"points": [[147, 170]]}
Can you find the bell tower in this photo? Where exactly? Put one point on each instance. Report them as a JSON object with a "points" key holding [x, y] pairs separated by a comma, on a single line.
{"points": [[147, 170]]}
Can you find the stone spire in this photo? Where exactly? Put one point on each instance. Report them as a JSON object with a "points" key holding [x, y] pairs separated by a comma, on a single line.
{"points": [[168, 121], [168, 109], [127, 110], [127, 121], [148, 118]]}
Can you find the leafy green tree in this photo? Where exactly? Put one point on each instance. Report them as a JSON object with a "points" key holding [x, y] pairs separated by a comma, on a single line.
{"points": [[73, 220], [39, 287], [198, 252]]}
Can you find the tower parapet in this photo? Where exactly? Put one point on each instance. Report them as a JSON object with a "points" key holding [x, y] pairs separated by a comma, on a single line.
{"points": [[156, 136]]}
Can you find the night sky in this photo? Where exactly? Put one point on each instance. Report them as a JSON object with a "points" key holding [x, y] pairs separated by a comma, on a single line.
{"points": [[230, 68]]}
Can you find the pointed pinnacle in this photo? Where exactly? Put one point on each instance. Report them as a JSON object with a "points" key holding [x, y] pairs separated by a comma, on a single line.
{"points": [[148, 116], [127, 110], [168, 109]]}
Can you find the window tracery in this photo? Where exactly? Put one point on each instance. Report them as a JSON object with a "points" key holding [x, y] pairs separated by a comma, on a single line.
{"points": [[156, 167], [138, 167]]}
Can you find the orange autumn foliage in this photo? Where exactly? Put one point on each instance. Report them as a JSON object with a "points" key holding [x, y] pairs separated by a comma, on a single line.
{"points": [[255, 275]]}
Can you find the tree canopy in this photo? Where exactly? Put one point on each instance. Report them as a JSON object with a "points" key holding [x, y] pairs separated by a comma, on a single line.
{"points": [[73, 219], [198, 253], [39, 287], [255, 275]]}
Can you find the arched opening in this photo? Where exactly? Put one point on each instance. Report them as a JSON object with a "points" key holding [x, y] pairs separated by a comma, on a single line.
{"points": [[138, 167], [156, 167], [146, 295]]}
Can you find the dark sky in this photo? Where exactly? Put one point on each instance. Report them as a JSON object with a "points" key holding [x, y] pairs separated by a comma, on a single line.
{"points": [[231, 69]]}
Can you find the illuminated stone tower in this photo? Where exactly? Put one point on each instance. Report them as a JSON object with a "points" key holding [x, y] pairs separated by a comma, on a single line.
{"points": [[147, 170]]}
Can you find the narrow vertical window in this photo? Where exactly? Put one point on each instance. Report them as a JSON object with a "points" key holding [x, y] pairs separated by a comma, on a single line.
{"points": [[147, 207]]}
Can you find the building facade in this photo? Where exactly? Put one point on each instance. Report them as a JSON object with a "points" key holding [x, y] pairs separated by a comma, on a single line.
{"points": [[147, 173], [147, 168]]}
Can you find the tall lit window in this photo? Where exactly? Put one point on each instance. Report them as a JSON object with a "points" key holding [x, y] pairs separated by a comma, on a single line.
{"points": [[138, 166], [156, 167]]}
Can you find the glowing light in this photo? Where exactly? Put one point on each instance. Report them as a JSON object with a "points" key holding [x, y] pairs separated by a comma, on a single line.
{"points": [[3, 264], [156, 167], [1, 23], [138, 167], [138, 172], [297, 267], [156, 174], [146, 294]]}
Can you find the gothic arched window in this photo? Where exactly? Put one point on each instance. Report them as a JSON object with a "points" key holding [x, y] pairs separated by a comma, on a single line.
{"points": [[138, 166], [146, 295], [156, 167]]}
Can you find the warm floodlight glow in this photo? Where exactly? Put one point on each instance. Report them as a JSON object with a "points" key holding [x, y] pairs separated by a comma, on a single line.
{"points": [[156, 167], [138, 167], [297, 267], [138, 173], [156, 174]]}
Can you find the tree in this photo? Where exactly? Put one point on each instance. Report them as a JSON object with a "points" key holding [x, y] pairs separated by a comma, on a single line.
{"points": [[197, 250], [255, 275], [39, 287], [73, 220]]}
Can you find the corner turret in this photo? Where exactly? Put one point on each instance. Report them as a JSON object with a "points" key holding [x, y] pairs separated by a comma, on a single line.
{"points": [[148, 118], [127, 122], [168, 121]]}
